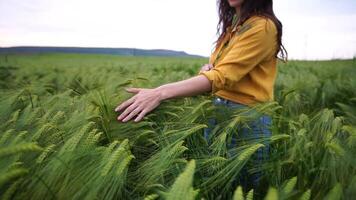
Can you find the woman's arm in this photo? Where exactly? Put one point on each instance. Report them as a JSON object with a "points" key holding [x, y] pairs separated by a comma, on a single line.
{"points": [[146, 100], [189, 87]]}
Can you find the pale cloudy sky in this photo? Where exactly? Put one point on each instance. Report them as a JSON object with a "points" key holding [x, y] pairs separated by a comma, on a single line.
{"points": [[313, 29]]}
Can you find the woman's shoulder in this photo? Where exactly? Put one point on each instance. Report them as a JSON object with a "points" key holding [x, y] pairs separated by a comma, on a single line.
{"points": [[259, 22]]}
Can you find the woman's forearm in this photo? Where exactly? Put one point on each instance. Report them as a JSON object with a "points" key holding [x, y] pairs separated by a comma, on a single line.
{"points": [[189, 87]]}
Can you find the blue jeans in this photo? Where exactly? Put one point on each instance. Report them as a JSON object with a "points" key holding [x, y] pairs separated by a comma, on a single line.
{"points": [[258, 128]]}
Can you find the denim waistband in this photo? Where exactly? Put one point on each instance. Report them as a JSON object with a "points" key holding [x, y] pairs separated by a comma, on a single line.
{"points": [[220, 100], [227, 104]]}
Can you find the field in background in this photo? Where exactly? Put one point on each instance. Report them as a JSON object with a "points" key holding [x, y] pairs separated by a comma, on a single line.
{"points": [[59, 138]]}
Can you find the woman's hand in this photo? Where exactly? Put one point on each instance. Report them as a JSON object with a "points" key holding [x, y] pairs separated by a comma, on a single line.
{"points": [[206, 67], [143, 102], [146, 100]]}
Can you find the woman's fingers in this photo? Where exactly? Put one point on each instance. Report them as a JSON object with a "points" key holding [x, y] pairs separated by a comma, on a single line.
{"points": [[132, 114], [125, 104], [139, 105], [206, 67], [127, 111], [141, 115], [151, 106], [133, 90]]}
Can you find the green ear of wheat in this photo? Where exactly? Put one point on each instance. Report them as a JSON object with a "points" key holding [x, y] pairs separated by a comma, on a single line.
{"points": [[182, 187], [289, 186], [335, 193], [238, 194], [14, 149], [11, 175], [272, 194]]}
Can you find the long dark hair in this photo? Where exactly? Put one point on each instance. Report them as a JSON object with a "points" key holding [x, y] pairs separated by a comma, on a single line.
{"points": [[248, 9]]}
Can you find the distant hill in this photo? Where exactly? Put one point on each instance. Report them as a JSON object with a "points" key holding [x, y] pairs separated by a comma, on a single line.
{"points": [[90, 50]]}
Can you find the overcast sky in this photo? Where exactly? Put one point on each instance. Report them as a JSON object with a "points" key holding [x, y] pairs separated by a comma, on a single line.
{"points": [[313, 29]]}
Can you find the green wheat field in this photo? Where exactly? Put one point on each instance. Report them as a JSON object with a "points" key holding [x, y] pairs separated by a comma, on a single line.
{"points": [[59, 137]]}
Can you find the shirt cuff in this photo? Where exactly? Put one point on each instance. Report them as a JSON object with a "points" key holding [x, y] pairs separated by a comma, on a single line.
{"points": [[211, 76]]}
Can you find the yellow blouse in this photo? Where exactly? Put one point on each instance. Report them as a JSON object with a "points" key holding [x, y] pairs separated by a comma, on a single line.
{"points": [[245, 69]]}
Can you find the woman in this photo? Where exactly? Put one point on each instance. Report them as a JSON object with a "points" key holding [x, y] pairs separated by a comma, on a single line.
{"points": [[242, 69]]}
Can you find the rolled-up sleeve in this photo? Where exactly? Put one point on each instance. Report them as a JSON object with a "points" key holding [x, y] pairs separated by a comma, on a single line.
{"points": [[251, 48]]}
